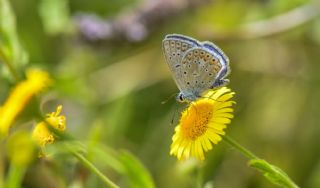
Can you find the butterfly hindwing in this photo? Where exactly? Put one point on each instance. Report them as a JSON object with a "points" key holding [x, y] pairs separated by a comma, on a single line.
{"points": [[223, 59], [200, 69]]}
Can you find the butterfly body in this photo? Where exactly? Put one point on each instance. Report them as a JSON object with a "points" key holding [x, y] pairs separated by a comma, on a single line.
{"points": [[195, 66]]}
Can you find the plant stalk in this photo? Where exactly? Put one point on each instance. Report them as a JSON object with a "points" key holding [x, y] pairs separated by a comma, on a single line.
{"points": [[273, 173], [9, 65], [91, 167], [240, 148]]}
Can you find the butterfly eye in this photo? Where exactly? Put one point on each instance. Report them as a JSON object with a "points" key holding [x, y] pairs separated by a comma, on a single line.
{"points": [[180, 98]]}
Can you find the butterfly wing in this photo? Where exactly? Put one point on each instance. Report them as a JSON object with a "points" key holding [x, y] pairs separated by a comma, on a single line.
{"points": [[200, 70], [195, 66], [223, 59], [174, 48]]}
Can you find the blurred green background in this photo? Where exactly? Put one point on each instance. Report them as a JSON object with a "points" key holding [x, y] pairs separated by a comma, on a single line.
{"points": [[110, 76]]}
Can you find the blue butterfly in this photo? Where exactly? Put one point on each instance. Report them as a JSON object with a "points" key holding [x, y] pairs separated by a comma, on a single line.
{"points": [[195, 66]]}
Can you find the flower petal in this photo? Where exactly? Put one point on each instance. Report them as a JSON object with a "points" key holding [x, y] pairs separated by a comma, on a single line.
{"points": [[226, 97], [221, 120], [218, 93], [224, 115], [202, 124], [223, 110], [224, 104], [217, 126]]}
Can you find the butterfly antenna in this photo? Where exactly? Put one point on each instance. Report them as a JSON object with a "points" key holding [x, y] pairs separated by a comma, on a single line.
{"points": [[174, 115], [165, 101]]}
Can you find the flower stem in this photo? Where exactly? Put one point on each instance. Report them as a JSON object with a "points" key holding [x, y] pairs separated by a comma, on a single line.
{"points": [[199, 178], [240, 148], [15, 176], [90, 166], [9, 65], [273, 173]]}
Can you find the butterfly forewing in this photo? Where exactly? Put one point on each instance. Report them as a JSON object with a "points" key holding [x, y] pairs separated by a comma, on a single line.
{"points": [[174, 48]]}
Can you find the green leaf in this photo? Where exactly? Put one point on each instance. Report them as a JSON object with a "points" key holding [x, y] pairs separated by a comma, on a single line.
{"points": [[125, 164], [55, 16], [272, 173], [109, 157], [136, 172], [10, 47], [122, 162]]}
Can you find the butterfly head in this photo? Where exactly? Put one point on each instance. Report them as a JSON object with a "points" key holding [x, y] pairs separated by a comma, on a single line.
{"points": [[185, 98], [180, 98]]}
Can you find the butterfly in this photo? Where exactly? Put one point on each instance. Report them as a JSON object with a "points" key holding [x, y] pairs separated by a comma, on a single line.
{"points": [[195, 66]]}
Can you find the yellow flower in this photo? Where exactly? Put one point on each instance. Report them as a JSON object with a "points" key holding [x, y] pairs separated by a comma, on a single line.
{"points": [[42, 135], [36, 81], [202, 124]]}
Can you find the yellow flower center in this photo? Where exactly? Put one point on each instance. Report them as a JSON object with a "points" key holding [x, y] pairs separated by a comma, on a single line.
{"points": [[194, 121]]}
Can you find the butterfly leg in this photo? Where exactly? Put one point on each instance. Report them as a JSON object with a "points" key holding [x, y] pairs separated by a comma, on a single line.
{"points": [[220, 83]]}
